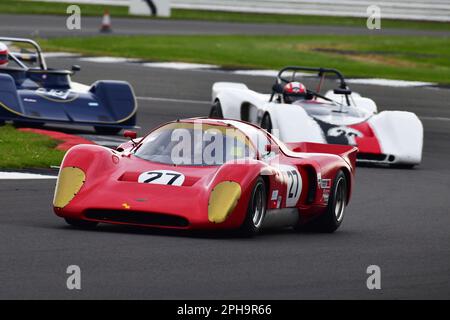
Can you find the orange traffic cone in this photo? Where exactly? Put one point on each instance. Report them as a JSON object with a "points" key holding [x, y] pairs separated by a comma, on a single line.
{"points": [[106, 22]]}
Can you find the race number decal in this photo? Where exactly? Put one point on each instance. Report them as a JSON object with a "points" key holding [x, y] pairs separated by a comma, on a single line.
{"points": [[293, 184], [167, 177], [56, 93]]}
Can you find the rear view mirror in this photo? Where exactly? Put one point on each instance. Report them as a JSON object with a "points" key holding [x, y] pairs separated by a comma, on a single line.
{"points": [[342, 91], [76, 68], [130, 134], [272, 148], [277, 88]]}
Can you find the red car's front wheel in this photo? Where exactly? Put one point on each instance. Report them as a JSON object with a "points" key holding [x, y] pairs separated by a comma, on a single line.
{"points": [[81, 224]]}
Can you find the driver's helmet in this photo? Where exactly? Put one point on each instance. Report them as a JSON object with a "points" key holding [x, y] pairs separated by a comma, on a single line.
{"points": [[3, 54], [294, 91]]}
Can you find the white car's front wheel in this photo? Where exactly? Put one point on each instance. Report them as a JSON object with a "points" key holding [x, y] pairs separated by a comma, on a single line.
{"points": [[266, 123], [216, 110]]}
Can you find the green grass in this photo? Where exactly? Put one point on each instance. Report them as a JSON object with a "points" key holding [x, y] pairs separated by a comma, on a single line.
{"points": [[303, 19], [27, 150], [393, 57], [52, 8], [33, 7]]}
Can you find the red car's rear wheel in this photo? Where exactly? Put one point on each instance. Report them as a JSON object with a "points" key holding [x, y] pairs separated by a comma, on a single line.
{"points": [[256, 210], [332, 218], [334, 215]]}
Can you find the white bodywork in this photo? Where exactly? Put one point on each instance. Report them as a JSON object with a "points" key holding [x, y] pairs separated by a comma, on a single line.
{"points": [[399, 133]]}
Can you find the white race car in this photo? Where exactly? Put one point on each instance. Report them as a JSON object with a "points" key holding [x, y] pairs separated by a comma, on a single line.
{"points": [[341, 116]]}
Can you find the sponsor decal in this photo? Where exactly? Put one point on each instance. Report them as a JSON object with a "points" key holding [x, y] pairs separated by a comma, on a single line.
{"points": [[166, 177], [326, 196], [325, 183], [274, 195], [279, 202], [56, 94]]}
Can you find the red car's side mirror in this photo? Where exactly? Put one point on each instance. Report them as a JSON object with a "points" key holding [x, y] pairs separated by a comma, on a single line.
{"points": [[272, 148], [130, 134]]}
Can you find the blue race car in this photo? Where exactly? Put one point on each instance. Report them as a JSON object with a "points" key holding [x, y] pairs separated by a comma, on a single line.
{"points": [[32, 94]]}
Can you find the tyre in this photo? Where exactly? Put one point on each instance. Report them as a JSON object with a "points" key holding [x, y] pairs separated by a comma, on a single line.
{"points": [[216, 111], [256, 210], [24, 124], [402, 166], [332, 218], [81, 224], [266, 123], [107, 130]]}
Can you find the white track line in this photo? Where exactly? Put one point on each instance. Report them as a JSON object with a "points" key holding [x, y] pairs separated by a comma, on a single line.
{"points": [[60, 55], [24, 176], [108, 59], [180, 65], [257, 73], [435, 118], [209, 103], [390, 83], [173, 100]]}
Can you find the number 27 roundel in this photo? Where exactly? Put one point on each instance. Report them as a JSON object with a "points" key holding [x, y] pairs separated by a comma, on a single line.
{"points": [[167, 177], [293, 184]]}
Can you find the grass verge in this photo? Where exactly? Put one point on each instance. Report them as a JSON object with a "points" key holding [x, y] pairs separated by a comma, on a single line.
{"points": [[392, 57], [27, 150], [36, 7]]}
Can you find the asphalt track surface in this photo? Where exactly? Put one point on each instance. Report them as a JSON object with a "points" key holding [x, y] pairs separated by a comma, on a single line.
{"points": [[397, 219], [55, 26]]}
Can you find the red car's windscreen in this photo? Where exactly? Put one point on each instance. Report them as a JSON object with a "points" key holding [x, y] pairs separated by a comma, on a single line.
{"points": [[195, 144]]}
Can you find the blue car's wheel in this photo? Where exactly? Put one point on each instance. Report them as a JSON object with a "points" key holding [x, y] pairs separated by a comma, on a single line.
{"points": [[107, 130], [24, 124]]}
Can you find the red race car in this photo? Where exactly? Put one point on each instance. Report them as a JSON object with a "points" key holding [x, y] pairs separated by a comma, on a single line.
{"points": [[207, 174]]}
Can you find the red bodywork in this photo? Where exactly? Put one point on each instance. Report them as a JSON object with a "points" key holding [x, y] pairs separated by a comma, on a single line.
{"points": [[111, 184], [368, 143]]}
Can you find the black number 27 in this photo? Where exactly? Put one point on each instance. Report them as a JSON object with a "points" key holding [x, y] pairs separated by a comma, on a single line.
{"points": [[294, 181], [156, 175]]}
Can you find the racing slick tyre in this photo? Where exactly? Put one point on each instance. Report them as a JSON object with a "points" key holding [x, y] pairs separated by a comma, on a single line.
{"points": [[81, 224], [266, 123], [332, 218], [216, 111], [107, 130], [256, 210], [402, 166], [24, 124]]}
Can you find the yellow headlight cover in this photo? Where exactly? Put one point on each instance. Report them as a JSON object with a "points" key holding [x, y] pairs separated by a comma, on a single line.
{"points": [[222, 201], [70, 181]]}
